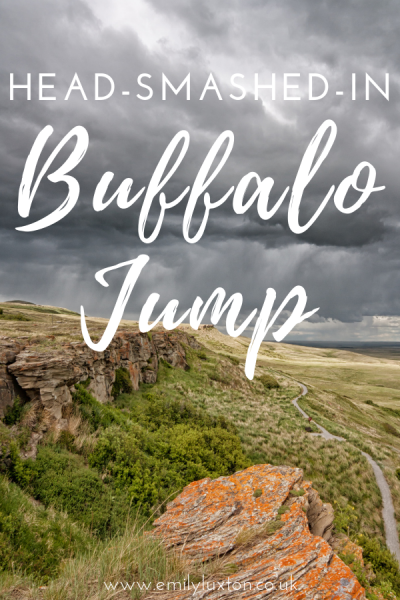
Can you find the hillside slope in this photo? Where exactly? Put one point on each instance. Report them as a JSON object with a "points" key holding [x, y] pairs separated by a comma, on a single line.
{"points": [[207, 420]]}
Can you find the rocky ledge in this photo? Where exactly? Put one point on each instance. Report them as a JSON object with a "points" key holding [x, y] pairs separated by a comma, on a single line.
{"points": [[47, 377], [260, 533]]}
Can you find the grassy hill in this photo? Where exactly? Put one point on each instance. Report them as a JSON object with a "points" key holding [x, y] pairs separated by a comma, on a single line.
{"points": [[129, 457], [353, 395]]}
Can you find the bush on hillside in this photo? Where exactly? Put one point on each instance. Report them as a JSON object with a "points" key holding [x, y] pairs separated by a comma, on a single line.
{"points": [[153, 411], [122, 383], [13, 412], [13, 317], [92, 411], [268, 382], [383, 563], [32, 539], [142, 455], [153, 465], [61, 479]]}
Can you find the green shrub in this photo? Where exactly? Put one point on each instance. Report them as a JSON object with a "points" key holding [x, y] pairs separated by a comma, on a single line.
{"points": [[61, 479], [122, 383], [391, 411], [140, 458], [85, 383], [268, 382], [346, 519], [215, 375], [347, 558], [6, 439], [13, 412], [202, 355], [13, 317], [398, 472], [384, 564], [92, 411], [282, 510], [66, 441], [32, 539], [152, 466], [152, 411], [165, 363]]}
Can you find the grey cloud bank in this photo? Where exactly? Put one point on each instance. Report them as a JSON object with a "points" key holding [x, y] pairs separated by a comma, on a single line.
{"points": [[348, 264]]}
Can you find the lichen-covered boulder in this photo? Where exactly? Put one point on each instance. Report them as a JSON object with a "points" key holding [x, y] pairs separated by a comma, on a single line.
{"points": [[253, 526]]}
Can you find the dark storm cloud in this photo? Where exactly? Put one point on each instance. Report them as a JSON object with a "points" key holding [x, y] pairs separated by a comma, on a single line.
{"points": [[347, 263]]}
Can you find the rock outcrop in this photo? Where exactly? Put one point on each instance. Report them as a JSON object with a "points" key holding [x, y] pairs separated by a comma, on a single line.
{"points": [[48, 377], [320, 516], [255, 534], [9, 389]]}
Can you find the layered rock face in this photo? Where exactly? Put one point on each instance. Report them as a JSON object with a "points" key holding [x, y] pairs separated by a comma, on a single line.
{"points": [[48, 378], [255, 534], [9, 350]]}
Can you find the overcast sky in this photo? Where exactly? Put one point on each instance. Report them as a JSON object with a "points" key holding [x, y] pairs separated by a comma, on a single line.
{"points": [[348, 264]]}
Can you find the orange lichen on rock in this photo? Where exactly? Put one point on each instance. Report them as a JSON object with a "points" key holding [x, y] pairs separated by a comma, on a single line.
{"points": [[255, 522], [350, 548]]}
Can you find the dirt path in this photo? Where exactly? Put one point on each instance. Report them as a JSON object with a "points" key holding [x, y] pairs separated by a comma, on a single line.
{"points": [[391, 534]]}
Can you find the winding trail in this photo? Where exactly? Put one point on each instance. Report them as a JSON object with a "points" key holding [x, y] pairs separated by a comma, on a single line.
{"points": [[392, 537]]}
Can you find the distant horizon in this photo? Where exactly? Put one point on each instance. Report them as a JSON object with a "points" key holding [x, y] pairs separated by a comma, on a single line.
{"points": [[318, 343], [341, 343]]}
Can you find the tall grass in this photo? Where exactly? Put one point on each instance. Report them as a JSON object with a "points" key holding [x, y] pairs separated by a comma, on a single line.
{"points": [[132, 557]]}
